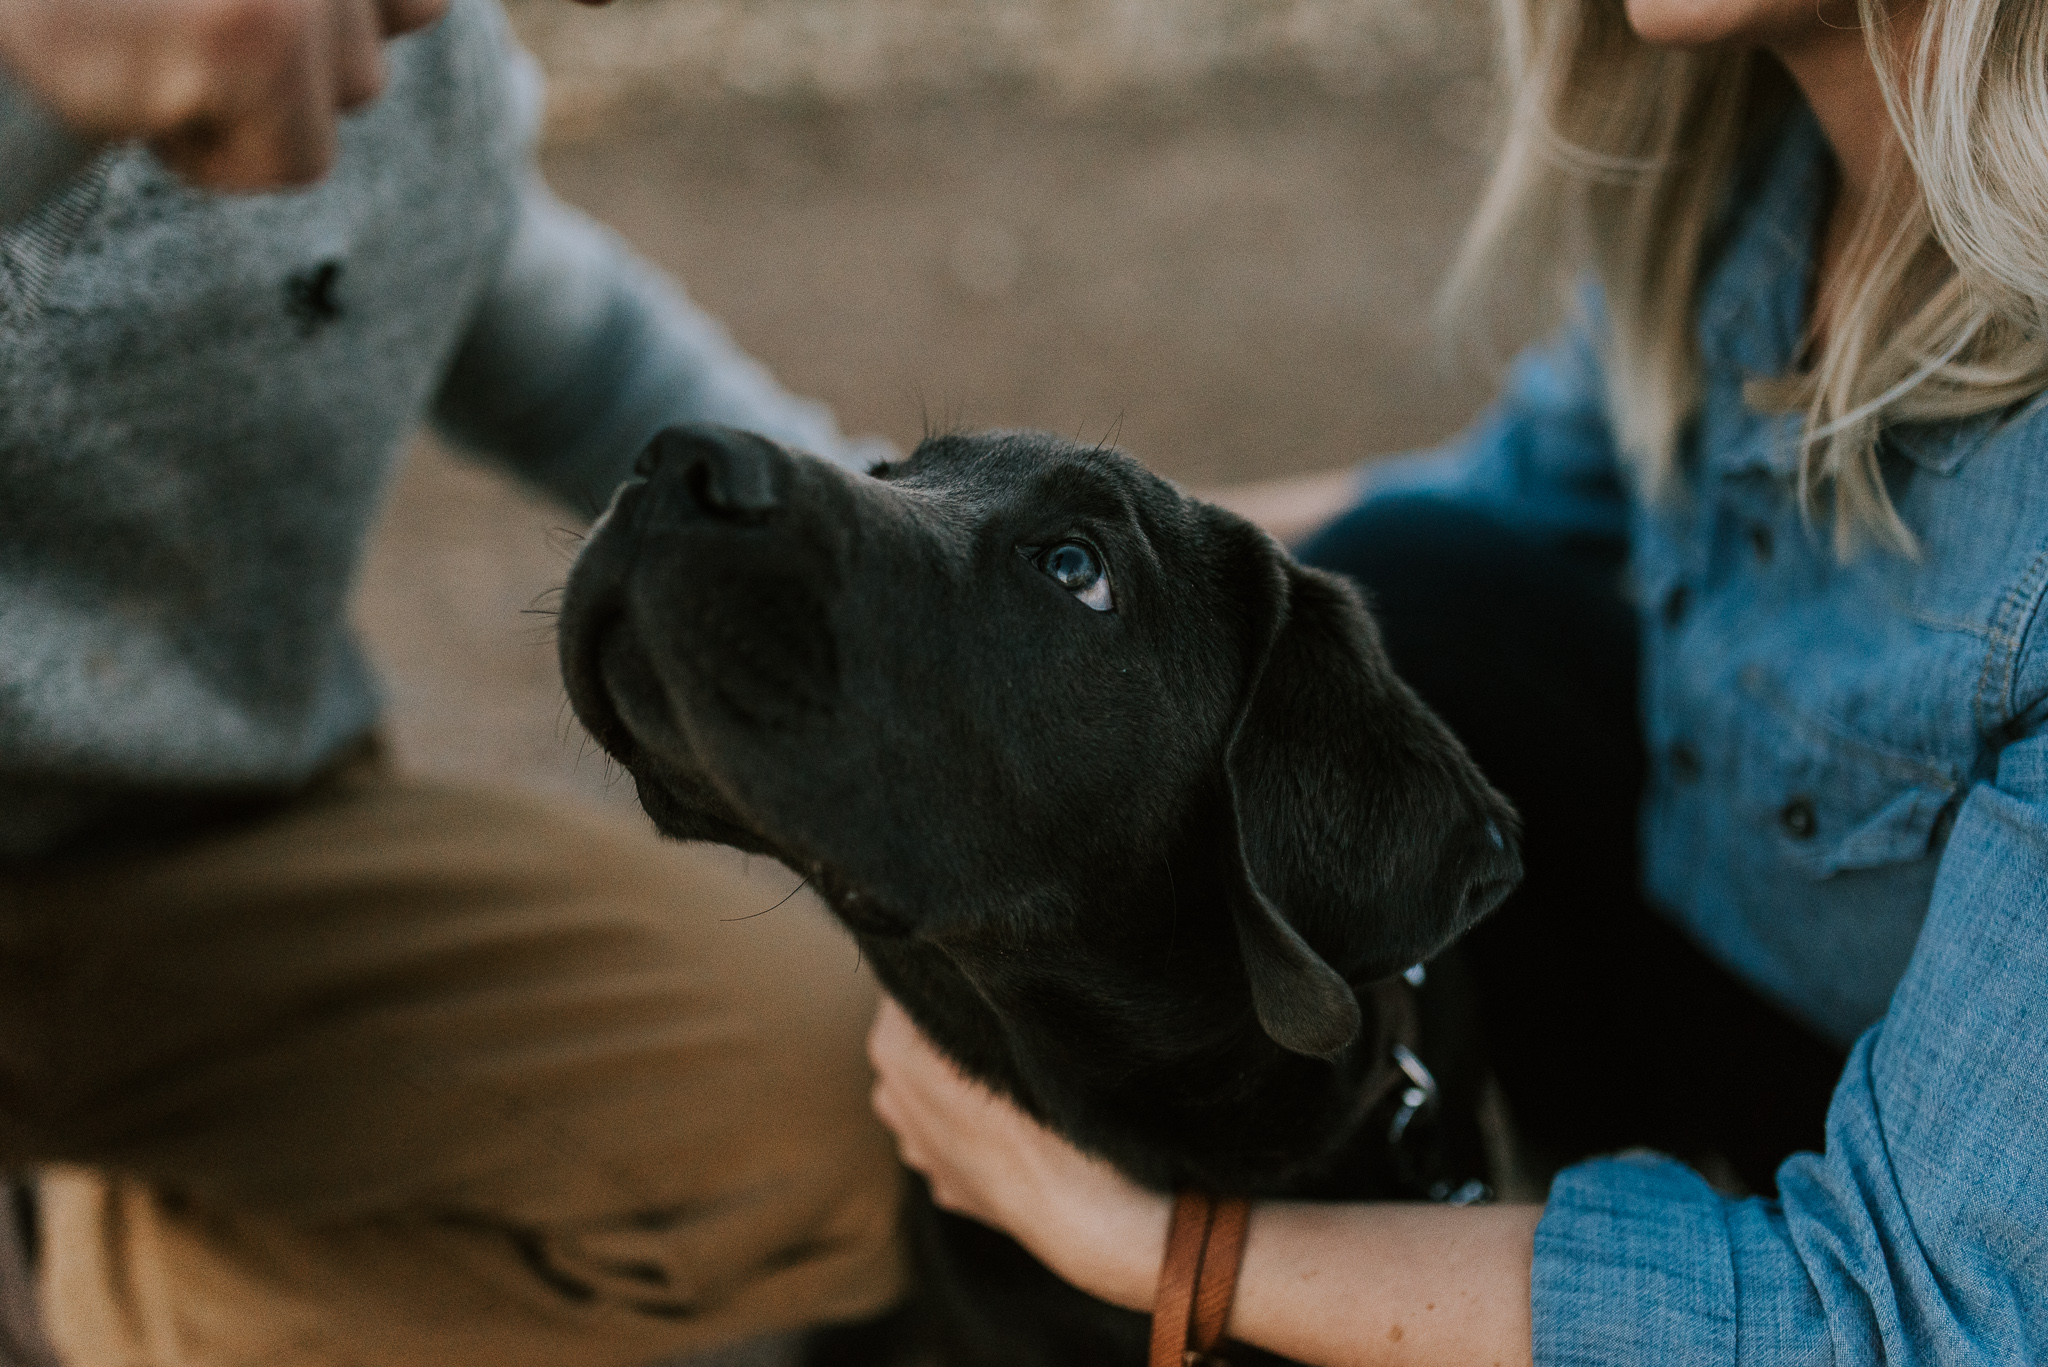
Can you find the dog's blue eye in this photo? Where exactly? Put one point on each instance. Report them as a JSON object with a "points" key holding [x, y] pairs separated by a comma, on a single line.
{"points": [[1073, 564], [1075, 567]]}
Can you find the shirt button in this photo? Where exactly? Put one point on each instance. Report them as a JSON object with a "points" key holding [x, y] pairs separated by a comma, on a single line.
{"points": [[1675, 604], [1797, 818], [1685, 762], [1760, 541]]}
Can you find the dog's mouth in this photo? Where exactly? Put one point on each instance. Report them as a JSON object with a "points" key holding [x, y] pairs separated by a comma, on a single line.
{"points": [[657, 625], [593, 612], [863, 913], [615, 691], [583, 675]]}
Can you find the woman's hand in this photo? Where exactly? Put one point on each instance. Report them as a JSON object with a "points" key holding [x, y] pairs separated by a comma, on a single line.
{"points": [[1342, 1284], [986, 1159]]}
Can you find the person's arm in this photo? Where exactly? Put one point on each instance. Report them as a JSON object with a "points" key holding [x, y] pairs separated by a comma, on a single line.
{"points": [[1338, 1285], [1387, 1285], [1919, 1236], [1543, 450]]}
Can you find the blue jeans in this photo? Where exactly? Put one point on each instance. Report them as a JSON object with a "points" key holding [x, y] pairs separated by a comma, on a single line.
{"points": [[1606, 1027]]}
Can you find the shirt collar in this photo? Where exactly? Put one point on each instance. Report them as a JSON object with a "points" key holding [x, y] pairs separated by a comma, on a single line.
{"points": [[1942, 446], [1753, 305]]}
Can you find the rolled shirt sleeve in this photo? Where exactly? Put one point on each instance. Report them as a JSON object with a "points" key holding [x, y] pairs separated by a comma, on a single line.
{"points": [[1544, 452], [1920, 1236]]}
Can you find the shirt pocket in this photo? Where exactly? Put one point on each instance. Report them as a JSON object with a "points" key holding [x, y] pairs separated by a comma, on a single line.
{"points": [[1826, 801]]}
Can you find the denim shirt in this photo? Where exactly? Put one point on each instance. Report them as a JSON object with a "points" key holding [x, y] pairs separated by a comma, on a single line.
{"points": [[1848, 806]]}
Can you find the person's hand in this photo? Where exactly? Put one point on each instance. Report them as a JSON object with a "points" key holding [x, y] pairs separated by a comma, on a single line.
{"points": [[1344, 1284], [232, 94], [986, 1159]]}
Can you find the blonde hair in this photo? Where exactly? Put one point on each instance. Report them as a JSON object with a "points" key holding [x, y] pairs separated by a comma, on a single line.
{"points": [[1618, 155]]}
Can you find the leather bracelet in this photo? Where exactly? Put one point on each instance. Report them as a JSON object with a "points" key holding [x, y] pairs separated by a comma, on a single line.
{"points": [[1197, 1279]]}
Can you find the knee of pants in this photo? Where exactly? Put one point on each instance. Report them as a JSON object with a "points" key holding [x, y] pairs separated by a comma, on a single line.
{"points": [[133, 1279]]}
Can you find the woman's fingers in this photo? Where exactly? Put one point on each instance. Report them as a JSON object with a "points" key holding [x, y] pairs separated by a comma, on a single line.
{"points": [[986, 1159], [982, 1155], [906, 1070], [909, 1145], [946, 1126]]}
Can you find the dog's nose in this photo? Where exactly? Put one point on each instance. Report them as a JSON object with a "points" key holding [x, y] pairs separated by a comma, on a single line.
{"points": [[730, 475]]}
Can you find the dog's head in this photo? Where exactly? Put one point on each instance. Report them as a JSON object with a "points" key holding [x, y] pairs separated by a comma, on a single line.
{"points": [[1123, 804]]}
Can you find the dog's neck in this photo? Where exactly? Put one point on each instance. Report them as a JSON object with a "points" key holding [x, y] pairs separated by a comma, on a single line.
{"points": [[1160, 1068]]}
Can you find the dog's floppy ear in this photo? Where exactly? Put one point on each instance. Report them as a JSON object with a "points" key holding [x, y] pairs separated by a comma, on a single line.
{"points": [[1366, 839]]}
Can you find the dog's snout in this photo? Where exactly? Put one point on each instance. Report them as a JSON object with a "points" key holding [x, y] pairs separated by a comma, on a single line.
{"points": [[729, 475], [1492, 866]]}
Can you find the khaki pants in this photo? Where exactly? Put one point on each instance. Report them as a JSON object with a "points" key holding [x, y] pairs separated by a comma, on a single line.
{"points": [[416, 1074]]}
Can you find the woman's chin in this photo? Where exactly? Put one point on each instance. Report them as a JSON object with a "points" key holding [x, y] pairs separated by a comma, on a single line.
{"points": [[1704, 23]]}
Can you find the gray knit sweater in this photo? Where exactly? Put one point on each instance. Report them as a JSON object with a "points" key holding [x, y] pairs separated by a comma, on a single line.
{"points": [[202, 399]]}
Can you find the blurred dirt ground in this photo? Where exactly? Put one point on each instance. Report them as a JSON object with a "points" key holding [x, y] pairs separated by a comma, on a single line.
{"points": [[1212, 229]]}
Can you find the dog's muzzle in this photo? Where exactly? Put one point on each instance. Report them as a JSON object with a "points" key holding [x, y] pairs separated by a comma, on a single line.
{"points": [[699, 589]]}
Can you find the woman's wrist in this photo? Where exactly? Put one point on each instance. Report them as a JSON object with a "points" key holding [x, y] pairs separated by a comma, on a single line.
{"points": [[1093, 1227], [1119, 1249], [1345, 1283], [1373, 1284]]}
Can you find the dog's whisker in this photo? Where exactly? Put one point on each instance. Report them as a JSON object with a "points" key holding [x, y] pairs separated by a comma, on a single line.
{"points": [[1116, 430], [765, 910], [565, 542]]}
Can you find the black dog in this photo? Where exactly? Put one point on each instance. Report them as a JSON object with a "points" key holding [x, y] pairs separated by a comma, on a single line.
{"points": [[1125, 808]]}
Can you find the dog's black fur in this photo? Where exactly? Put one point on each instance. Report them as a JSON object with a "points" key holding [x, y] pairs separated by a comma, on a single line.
{"points": [[1129, 866]]}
